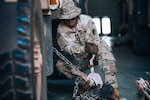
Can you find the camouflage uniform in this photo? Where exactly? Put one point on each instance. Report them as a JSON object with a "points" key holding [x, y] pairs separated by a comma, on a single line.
{"points": [[73, 41]]}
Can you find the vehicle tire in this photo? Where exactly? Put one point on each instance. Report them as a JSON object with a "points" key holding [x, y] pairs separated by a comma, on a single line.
{"points": [[17, 71]]}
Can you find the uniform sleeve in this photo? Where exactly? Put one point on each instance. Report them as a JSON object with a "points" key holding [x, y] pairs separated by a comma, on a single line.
{"points": [[93, 37], [68, 45], [92, 34]]}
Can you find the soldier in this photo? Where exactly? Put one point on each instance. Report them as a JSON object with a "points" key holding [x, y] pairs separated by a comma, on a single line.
{"points": [[78, 39]]}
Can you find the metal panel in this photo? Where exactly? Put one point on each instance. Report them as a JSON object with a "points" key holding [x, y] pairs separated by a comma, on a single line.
{"points": [[45, 4]]}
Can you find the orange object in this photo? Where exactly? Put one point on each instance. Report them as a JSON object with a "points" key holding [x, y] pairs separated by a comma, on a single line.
{"points": [[53, 2]]}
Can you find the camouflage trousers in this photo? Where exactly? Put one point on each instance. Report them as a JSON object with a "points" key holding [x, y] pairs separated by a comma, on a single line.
{"points": [[107, 67]]}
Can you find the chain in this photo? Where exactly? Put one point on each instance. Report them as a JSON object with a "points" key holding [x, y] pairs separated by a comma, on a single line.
{"points": [[88, 95], [74, 69], [76, 88], [63, 58]]}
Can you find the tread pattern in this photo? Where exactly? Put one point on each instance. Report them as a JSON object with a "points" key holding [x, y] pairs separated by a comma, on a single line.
{"points": [[16, 68]]}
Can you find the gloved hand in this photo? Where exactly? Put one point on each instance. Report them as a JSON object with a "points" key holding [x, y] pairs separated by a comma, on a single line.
{"points": [[87, 86], [91, 48], [84, 87]]}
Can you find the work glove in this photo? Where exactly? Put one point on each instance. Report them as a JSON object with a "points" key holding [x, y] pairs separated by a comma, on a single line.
{"points": [[84, 87], [91, 48]]}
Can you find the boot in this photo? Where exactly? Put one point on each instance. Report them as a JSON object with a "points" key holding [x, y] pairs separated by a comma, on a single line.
{"points": [[116, 93], [115, 96]]}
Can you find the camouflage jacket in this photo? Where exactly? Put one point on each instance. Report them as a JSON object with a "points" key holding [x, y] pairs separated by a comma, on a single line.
{"points": [[73, 40]]}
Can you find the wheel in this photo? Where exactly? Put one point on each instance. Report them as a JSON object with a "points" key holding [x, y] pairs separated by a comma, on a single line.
{"points": [[22, 51]]}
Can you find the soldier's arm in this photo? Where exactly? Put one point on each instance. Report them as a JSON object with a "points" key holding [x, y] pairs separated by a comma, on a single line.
{"points": [[68, 45], [92, 35]]}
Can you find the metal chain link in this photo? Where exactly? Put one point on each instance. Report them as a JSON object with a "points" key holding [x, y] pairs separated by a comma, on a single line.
{"points": [[74, 69], [88, 95], [63, 58], [76, 88]]}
